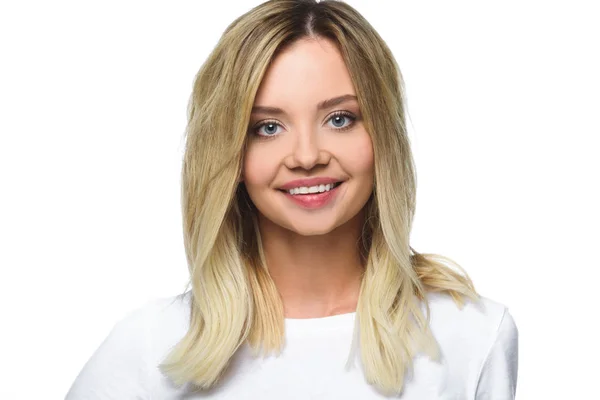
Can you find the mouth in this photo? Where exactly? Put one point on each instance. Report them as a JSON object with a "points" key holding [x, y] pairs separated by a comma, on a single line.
{"points": [[303, 192], [321, 195]]}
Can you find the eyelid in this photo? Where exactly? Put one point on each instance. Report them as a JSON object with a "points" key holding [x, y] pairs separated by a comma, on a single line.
{"points": [[260, 123]]}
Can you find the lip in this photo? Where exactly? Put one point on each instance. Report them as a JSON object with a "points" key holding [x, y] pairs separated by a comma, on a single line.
{"points": [[308, 182], [314, 200]]}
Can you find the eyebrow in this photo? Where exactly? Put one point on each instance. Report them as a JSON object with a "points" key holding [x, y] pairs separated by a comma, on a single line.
{"points": [[321, 106]]}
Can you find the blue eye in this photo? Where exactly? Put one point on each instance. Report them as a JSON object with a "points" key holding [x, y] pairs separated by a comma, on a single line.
{"points": [[342, 116], [339, 119], [270, 128]]}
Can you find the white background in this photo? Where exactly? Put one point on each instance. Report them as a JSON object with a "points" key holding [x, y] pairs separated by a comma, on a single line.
{"points": [[503, 100]]}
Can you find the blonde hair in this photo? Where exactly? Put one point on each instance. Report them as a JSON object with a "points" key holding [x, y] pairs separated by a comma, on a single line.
{"points": [[234, 299]]}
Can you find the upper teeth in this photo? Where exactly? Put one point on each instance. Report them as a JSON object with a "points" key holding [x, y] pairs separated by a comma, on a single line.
{"points": [[312, 189]]}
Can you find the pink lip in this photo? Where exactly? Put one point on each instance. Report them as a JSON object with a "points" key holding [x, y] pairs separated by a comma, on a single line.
{"points": [[314, 200], [308, 182]]}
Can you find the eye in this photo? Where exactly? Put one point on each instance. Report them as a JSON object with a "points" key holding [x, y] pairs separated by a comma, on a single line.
{"points": [[270, 128], [338, 118], [341, 120]]}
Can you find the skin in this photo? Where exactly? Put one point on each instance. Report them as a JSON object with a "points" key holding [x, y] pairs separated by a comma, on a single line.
{"points": [[312, 255]]}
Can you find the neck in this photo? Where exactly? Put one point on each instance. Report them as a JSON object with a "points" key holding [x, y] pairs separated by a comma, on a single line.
{"points": [[316, 276]]}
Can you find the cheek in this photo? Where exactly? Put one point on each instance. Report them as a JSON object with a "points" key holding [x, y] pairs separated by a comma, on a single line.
{"points": [[359, 157], [259, 168]]}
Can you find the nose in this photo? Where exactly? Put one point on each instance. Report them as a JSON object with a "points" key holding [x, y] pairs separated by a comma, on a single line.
{"points": [[307, 151]]}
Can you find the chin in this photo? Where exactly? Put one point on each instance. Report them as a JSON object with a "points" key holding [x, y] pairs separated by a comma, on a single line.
{"points": [[315, 229], [312, 232]]}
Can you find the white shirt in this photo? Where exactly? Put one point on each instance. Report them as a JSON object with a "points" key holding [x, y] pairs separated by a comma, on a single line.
{"points": [[479, 349]]}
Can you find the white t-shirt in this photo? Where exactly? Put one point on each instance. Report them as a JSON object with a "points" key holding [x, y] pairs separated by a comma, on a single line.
{"points": [[479, 348]]}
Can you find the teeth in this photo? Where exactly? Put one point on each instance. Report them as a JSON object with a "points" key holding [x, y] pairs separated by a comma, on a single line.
{"points": [[312, 189]]}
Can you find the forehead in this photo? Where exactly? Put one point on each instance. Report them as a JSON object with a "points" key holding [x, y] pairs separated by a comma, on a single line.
{"points": [[308, 71]]}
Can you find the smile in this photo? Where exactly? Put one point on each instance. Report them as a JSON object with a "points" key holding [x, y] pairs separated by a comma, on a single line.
{"points": [[313, 189], [313, 197]]}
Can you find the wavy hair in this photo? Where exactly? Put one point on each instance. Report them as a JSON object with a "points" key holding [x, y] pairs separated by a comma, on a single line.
{"points": [[234, 299]]}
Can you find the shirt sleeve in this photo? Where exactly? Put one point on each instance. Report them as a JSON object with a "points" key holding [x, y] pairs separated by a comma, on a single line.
{"points": [[117, 369], [498, 376]]}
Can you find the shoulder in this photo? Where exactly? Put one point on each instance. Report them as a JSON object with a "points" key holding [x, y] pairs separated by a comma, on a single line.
{"points": [[124, 364], [158, 320], [481, 320], [480, 339]]}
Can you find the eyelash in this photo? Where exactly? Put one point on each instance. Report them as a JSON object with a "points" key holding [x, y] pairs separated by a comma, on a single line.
{"points": [[346, 114]]}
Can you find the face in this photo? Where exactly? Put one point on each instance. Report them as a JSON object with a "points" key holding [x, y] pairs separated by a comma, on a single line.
{"points": [[300, 138]]}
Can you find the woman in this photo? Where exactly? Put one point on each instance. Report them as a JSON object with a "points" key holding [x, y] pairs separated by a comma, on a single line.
{"points": [[298, 199]]}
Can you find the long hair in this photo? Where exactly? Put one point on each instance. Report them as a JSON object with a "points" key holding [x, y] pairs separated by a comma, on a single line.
{"points": [[234, 299]]}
